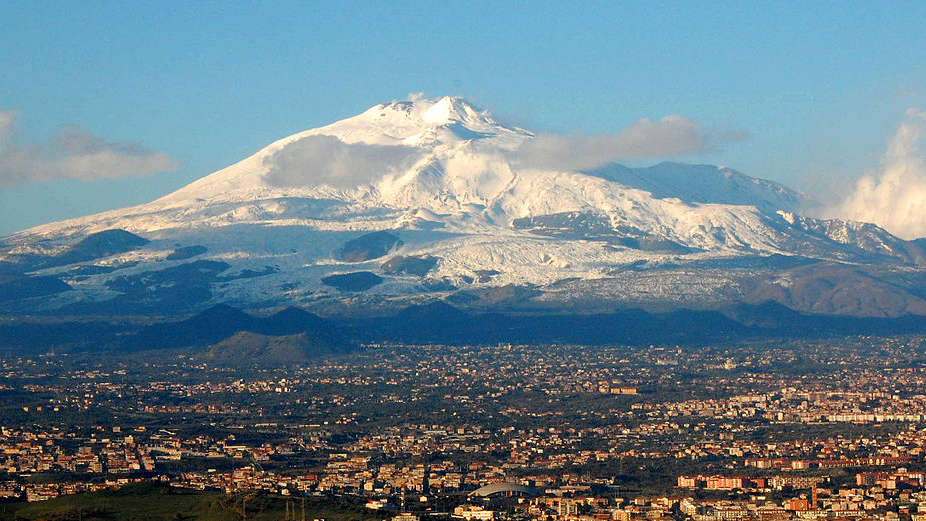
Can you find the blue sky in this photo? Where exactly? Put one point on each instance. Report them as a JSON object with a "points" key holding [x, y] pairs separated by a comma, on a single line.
{"points": [[819, 87]]}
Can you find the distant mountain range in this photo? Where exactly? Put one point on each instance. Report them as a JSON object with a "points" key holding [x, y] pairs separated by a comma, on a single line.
{"points": [[225, 336], [382, 218]]}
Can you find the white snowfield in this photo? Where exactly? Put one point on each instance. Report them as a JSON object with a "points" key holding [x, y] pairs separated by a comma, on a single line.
{"points": [[446, 179]]}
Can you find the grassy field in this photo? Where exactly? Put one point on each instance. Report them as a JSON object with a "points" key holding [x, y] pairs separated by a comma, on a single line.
{"points": [[157, 502]]}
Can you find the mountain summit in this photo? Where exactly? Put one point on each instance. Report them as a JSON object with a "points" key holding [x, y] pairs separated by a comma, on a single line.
{"points": [[417, 201]]}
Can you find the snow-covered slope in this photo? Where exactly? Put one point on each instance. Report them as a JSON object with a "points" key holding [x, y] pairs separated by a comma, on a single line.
{"points": [[462, 215], [709, 184]]}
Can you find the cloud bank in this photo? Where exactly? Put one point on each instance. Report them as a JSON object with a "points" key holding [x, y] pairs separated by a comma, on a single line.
{"points": [[895, 197], [74, 154], [326, 160], [668, 137]]}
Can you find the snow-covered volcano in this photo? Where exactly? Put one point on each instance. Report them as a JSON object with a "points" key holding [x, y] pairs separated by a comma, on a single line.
{"points": [[430, 199]]}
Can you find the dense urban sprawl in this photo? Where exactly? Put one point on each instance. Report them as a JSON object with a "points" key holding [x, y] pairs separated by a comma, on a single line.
{"points": [[801, 429]]}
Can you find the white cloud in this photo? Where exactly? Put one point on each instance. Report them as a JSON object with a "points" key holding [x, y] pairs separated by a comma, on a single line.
{"points": [[668, 137], [6, 124], [894, 198], [326, 160], [75, 154]]}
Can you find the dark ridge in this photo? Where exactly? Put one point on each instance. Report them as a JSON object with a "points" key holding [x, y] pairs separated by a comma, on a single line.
{"points": [[291, 321], [827, 288], [29, 287], [249, 274], [246, 348], [98, 245], [92, 247], [496, 296], [440, 322], [411, 265], [186, 252], [370, 246], [207, 327], [71, 335], [419, 323], [568, 225], [766, 315], [356, 281], [443, 323], [9, 271], [221, 322], [172, 289]]}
